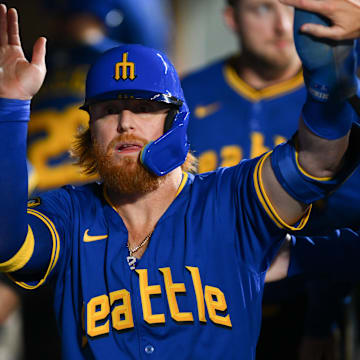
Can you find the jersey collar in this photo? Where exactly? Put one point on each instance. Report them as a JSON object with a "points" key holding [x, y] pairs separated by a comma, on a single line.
{"points": [[242, 88]]}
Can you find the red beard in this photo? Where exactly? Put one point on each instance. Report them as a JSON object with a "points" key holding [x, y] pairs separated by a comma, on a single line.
{"points": [[126, 175]]}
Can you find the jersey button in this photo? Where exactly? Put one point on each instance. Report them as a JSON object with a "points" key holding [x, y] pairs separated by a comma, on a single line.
{"points": [[149, 349]]}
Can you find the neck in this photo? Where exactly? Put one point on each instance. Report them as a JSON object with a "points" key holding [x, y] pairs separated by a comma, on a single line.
{"points": [[141, 212], [260, 75]]}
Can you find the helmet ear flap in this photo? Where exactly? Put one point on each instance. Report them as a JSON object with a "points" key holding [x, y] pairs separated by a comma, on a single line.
{"points": [[170, 119]]}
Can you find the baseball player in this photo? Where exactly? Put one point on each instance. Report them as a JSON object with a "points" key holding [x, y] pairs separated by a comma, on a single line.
{"points": [[258, 91], [253, 96], [154, 261]]}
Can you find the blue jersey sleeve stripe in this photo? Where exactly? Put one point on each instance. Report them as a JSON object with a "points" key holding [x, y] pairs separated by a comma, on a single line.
{"points": [[20, 259], [54, 253], [265, 202]]}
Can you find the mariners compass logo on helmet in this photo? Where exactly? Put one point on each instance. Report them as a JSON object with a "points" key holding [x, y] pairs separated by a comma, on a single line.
{"points": [[155, 79]]}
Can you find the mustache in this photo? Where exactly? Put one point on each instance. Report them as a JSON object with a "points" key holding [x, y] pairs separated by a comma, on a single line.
{"points": [[125, 138]]}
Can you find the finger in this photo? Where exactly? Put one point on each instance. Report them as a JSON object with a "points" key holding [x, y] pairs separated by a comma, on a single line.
{"points": [[13, 28], [39, 51], [3, 25], [321, 31], [317, 6]]}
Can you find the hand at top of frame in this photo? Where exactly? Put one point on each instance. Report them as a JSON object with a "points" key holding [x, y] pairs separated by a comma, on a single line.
{"points": [[329, 66], [344, 16], [19, 79]]}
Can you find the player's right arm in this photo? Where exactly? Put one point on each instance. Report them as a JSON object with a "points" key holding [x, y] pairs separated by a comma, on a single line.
{"points": [[19, 82]]}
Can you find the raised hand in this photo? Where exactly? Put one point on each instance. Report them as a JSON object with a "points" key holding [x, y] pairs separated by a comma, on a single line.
{"points": [[329, 66], [19, 79], [344, 16]]}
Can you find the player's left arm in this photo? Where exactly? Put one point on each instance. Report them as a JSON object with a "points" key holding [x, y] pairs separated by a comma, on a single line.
{"points": [[318, 158]]}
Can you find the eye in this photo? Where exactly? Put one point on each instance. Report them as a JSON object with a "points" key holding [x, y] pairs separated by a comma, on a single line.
{"points": [[263, 9], [145, 107], [111, 110]]}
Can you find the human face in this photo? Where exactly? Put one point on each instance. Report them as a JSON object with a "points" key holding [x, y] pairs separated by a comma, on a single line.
{"points": [[119, 131], [265, 31], [141, 120]]}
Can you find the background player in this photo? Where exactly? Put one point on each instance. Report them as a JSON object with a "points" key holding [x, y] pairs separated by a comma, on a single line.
{"points": [[131, 199], [240, 107]]}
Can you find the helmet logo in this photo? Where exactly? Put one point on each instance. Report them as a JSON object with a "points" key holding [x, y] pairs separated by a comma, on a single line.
{"points": [[124, 66]]}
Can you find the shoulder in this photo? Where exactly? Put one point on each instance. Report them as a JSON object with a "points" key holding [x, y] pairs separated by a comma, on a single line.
{"points": [[206, 72], [88, 193], [231, 175], [93, 188], [67, 194]]}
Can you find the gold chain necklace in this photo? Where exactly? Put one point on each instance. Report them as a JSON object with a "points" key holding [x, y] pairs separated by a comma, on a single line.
{"points": [[136, 248]]}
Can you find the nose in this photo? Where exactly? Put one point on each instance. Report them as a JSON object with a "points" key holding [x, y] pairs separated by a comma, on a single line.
{"points": [[125, 121], [284, 19]]}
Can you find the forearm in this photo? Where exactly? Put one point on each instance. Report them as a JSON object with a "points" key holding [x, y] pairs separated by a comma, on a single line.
{"points": [[14, 115], [318, 156]]}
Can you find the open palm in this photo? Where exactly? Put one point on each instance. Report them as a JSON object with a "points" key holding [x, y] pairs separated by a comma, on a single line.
{"points": [[19, 79]]}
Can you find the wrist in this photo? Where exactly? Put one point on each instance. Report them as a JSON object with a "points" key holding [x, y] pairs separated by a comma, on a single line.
{"points": [[329, 120], [14, 110]]}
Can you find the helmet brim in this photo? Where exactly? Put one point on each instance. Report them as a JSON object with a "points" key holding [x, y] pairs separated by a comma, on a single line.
{"points": [[133, 94]]}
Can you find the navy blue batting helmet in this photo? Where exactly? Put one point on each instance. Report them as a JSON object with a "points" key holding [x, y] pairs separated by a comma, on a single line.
{"points": [[138, 72]]}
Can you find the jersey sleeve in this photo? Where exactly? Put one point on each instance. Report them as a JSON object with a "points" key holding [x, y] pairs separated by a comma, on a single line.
{"points": [[44, 251], [260, 230], [29, 241], [266, 203]]}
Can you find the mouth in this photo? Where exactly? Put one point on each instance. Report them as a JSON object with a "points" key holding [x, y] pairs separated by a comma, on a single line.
{"points": [[125, 148], [282, 44]]}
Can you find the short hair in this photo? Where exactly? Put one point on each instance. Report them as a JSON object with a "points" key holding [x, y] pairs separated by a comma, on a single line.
{"points": [[232, 2], [83, 154]]}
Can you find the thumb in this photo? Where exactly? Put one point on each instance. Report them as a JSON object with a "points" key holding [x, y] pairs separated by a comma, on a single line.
{"points": [[39, 51]]}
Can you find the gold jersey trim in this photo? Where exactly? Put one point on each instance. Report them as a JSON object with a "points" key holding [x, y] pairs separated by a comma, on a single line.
{"points": [[304, 172], [21, 258], [245, 90], [182, 184], [265, 201], [54, 253]]}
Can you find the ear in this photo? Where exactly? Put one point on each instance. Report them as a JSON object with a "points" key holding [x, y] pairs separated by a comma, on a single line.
{"points": [[230, 18]]}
